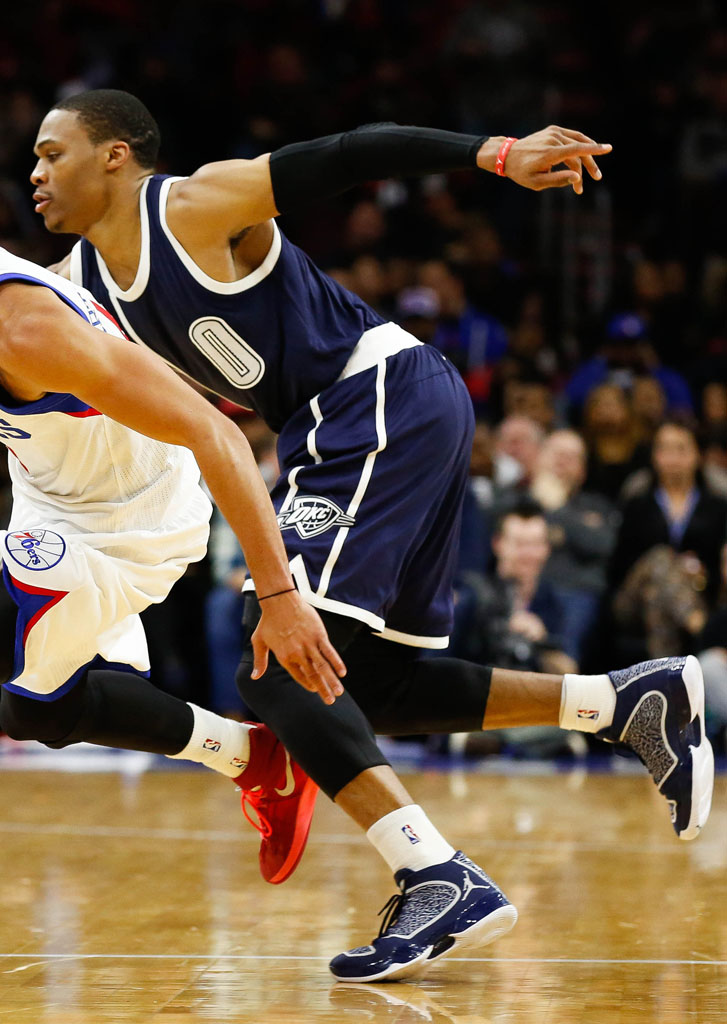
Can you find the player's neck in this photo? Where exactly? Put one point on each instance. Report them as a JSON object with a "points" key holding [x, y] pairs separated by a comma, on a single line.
{"points": [[117, 235]]}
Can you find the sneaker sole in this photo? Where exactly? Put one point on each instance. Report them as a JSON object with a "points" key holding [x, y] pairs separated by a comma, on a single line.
{"points": [[300, 837], [490, 928], [394, 973], [702, 756]]}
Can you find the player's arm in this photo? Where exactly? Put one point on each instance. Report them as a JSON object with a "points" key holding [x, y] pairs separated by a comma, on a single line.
{"points": [[235, 194], [45, 346]]}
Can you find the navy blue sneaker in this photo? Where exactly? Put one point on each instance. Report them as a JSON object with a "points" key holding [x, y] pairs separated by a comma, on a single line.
{"points": [[439, 910], [660, 716]]}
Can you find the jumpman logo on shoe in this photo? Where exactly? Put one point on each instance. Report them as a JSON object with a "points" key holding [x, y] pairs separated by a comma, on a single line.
{"points": [[289, 779], [468, 885]]}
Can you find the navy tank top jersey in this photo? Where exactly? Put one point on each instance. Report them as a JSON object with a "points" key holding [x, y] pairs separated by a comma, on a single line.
{"points": [[271, 341]]}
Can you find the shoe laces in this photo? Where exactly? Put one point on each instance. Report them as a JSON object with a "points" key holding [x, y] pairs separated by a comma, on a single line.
{"points": [[251, 800], [390, 910]]}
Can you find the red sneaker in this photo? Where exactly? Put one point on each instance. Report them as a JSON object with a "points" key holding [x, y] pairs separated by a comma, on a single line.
{"points": [[281, 797]]}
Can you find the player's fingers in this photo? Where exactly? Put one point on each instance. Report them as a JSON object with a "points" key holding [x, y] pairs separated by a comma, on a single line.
{"points": [[554, 179], [583, 149], [325, 681], [332, 656], [571, 135], [592, 167], [574, 164], [260, 652], [300, 673]]}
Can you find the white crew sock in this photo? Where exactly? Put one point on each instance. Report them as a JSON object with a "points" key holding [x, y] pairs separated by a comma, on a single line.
{"points": [[219, 743], [587, 703], [406, 838]]}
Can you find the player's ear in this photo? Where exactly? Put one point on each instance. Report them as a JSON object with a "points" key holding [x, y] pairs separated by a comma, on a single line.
{"points": [[117, 154]]}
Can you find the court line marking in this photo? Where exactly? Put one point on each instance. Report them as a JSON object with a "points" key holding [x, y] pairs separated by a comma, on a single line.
{"points": [[217, 835], [44, 957]]}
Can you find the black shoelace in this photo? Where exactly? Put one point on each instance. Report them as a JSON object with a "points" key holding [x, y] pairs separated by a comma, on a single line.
{"points": [[390, 910]]}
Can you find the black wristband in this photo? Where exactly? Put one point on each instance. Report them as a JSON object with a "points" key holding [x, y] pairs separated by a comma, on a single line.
{"points": [[306, 171]]}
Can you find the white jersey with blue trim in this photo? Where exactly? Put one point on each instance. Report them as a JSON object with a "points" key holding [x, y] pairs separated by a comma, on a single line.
{"points": [[270, 341], [71, 464]]}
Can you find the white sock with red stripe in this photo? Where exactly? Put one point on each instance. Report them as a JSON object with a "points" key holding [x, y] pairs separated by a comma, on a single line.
{"points": [[587, 703], [406, 838], [219, 743]]}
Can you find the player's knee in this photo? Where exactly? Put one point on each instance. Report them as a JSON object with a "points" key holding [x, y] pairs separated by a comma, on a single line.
{"points": [[23, 718]]}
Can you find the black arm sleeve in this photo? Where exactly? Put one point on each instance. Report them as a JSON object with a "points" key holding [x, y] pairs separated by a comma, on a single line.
{"points": [[306, 171]]}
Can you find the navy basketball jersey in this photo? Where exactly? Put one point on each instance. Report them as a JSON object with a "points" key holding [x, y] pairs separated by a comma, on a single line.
{"points": [[271, 341]]}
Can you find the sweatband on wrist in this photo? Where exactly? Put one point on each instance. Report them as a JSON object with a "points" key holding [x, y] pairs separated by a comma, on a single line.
{"points": [[306, 171]]}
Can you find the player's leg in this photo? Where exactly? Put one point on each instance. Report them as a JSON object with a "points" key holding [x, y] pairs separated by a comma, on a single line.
{"points": [[51, 638], [656, 709]]}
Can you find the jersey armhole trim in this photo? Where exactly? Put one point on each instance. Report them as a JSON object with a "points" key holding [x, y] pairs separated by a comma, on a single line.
{"points": [[210, 283]]}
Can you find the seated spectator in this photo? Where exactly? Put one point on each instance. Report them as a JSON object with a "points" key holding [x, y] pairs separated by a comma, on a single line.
{"points": [[648, 403], [472, 340], [626, 355], [518, 439], [515, 615], [614, 450], [679, 511], [417, 311], [582, 535], [512, 618], [530, 395], [714, 404]]}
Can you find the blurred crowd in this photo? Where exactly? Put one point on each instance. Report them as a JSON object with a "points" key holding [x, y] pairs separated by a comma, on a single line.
{"points": [[591, 331]]}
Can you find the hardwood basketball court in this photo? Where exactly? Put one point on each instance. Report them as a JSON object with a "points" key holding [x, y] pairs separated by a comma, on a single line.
{"points": [[134, 895]]}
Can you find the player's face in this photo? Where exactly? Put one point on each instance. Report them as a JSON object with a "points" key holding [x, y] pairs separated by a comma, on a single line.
{"points": [[71, 187]]}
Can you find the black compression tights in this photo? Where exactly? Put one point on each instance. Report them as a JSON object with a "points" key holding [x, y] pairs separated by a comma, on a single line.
{"points": [[390, 689], [107, 707]]}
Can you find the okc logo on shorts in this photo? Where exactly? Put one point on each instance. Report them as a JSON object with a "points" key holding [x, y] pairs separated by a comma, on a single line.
{"points": [[35, 549], [311, 515]]}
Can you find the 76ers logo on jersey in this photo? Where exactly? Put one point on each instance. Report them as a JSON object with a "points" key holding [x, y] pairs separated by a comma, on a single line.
{"points": [[35, 549], [311, 515]]}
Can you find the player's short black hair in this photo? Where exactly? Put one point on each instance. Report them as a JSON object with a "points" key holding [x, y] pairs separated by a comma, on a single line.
{"points": [[113, 114]]}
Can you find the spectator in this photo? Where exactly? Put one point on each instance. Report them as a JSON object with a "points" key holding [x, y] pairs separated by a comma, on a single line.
{"points": [[518, 439], [582, 532], [520, 617], [611, 434], [625, 355], [513, 618], [472, 340], [677, 511], [417, 310]]}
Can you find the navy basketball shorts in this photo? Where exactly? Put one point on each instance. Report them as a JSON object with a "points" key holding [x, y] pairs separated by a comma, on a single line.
{"points": [[373, 472]]}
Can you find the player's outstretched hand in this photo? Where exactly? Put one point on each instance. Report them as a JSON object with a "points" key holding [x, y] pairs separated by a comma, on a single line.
{"points": [[532, 159], [293, 631]]}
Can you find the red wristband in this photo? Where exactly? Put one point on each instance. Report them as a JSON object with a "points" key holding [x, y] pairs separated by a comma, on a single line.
{"points": [[502, 156]]}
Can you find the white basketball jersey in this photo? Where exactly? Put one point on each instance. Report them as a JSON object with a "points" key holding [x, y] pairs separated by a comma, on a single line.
{"points": [[74, 465]]}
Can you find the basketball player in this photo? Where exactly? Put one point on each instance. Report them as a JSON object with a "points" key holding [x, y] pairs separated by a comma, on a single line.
{"points": [[105, 519], [375, 435]]}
